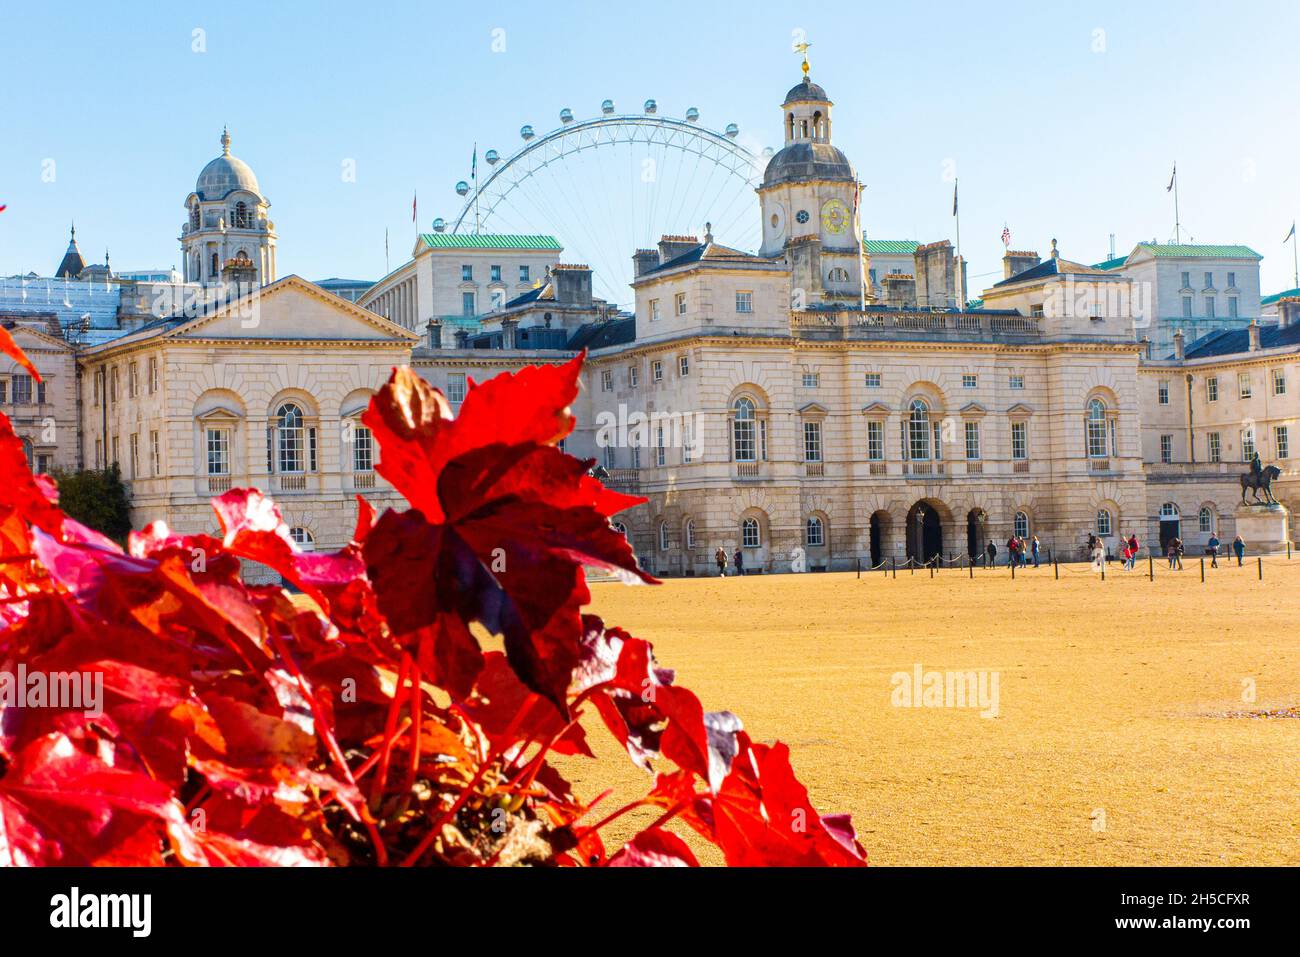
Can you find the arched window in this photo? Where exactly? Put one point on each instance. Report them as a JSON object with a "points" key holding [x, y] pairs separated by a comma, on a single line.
{"points": [[749, 533], [1206, 519], [663, 536], [690, 533], [289, 436], [27, 451], [215, 267], [1097, 429], [242, 219], [918, 430], [839, 274], [1104, 522], [194, 216], [621, 529], [743, 431], [814, 532], [302, 538], [817, 125], [1022, 525], [1169, 510]]}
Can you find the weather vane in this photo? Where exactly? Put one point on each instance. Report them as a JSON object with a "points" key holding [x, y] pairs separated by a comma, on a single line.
{"points": [[802, 49]]}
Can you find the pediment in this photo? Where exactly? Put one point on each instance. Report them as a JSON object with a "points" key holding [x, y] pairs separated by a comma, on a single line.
{"points": [[877, 408], [1020, 409]]}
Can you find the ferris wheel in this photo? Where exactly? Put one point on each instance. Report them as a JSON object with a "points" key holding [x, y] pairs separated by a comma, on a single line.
{"points": [[614, 183]]}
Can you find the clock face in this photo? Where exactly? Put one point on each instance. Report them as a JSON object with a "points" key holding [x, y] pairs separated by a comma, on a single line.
{"points": [[801, 216], [835, 216]]}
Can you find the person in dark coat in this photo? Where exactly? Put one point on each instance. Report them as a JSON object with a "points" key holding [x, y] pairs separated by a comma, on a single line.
{"points": [[739, 560], [720, 556], [992, 551], [1239, 549]]}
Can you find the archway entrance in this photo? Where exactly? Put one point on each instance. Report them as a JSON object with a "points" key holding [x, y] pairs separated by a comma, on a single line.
{"points": [[924, 532], [1169, 525], [976, 533], [878, 529]]}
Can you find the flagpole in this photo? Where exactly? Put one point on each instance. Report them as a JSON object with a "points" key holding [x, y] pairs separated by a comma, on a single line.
{"points": [[862, 248], [961, 277], [1295, 257], [474, 170], [1178, 238]]}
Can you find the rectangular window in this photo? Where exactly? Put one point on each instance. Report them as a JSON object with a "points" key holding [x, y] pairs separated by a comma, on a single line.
{"points": [[467, 304], [42, 464], [631, 377], [218, 452], [1212, 389], [135, 454], [495, 273], [811, 380], [99, 453], [1243, 385], [1209, 307], [1232, 307], [1036, 311], [875, 441], [363, 449], [688, 441], [812, 441], [636, 456], [1162, 392], [1279, 382], [1166, 449], [133, 380], [1281, 442], [606, 381], [873, 380], [683, 365], [311, 450], [1187, 307], [40, 392], [609, 456], [466, 273], [155, 455], [1017, 382], [1232, 280], [969, 381], [523, 274], [1247, 444], [4, 392], [1019, 441], [1187, 280], [153, 375], [455, 387], [1212, 447], [661, 457], [99, 386], [657, 371], [744, 301], [681, 304], [1209, 280], [22, 389], [654, 310], [972, 440]]}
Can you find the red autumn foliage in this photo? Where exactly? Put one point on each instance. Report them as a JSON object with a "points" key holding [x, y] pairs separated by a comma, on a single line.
{"points": [[238, 727]]}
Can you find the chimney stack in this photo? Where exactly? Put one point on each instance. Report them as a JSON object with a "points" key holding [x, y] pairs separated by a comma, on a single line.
{"points": [[1253, 330], [1288, 310], [1016, 262], [643, 260], [1180, 352]]}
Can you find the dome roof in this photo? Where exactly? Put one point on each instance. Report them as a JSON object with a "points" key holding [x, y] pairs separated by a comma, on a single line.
{"points": [[800, 162], [806, 91], [225, 174]]}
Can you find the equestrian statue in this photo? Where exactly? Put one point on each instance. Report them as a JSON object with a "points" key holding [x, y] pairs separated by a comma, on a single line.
{"points": [[1259, 478]]}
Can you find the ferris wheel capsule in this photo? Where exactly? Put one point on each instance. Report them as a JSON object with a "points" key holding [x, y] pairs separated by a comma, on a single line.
{"points": [[526, 132], [732, 130], [692, 115], [651, 106], [607, 107], [462, 188], [768, 152], [439, 225], [492, 156], [566, 115]]}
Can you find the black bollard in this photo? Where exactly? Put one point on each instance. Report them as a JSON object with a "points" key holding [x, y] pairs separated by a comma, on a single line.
{"points": [[1056, 568], [1260, 559], [894, 563], [1202, 570], [1151, 566]]}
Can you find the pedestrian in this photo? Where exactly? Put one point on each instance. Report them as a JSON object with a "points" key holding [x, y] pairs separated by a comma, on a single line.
{"points": [[1127, 555], [1178, 552], [1171, 551], [1099, 554], [1212, 549], [1013, 547], [1034, 548], [1133, 549], [1239, 547], [992, 551], [739, 560], [720, 556]]}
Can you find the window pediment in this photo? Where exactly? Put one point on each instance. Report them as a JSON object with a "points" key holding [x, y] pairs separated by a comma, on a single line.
{"points": [[1020, 409], [975, 410], [812, 409], [876, 408], [220, 414]]}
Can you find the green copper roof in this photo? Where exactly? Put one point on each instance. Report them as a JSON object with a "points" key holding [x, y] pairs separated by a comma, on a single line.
{"points": [[883, 246], [1188, 251], [1111, 263], [1269, 300], [490, 241]]}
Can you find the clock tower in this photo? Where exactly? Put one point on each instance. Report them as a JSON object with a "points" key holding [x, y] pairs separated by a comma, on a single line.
{"points": [[808, 199]]}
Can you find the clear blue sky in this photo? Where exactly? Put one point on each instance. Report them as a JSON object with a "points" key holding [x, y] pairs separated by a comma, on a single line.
{"points": [[1046, 133]]}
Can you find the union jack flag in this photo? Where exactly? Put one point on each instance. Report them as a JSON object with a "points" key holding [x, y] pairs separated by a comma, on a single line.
{"points": [[1006, 236]]}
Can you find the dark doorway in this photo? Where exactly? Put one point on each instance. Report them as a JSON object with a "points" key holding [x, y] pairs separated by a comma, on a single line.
{"points": [[975, 536], [1168, 532], [877, 539], [924, 532]]}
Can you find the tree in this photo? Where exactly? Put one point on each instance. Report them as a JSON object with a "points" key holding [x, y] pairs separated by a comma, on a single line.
{"points": [[97, 499]]}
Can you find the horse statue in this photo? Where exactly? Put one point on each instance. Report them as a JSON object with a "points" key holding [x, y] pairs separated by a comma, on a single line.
{"points": [[1257, 481]]}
